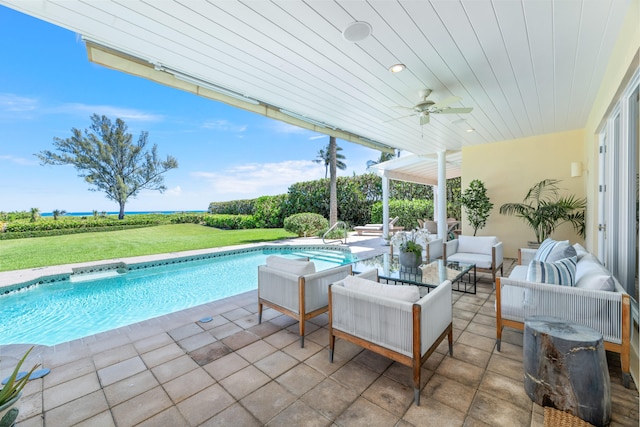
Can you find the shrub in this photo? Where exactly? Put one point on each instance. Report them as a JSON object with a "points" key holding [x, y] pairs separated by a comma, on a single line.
{"points": [[409, 212], [186, 218], [230, 222], [233, 207], [305, 224], [269, 212]]}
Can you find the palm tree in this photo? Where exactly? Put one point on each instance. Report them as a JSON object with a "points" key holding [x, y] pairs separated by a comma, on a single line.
{"points": [[57, 213], [324, 157], [35, 214], [333, 183], [384, 156]]}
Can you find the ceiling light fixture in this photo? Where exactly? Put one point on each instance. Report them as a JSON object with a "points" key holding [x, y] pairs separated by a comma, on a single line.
{"points": [[396, 68], [357, 31], [470, 130]]}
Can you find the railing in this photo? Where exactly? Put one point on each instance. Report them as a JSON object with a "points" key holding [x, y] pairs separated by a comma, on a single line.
{"points": [[334, 227]]}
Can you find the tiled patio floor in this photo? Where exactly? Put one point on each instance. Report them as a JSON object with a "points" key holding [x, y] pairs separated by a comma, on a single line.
{"points": [[176, 371]]}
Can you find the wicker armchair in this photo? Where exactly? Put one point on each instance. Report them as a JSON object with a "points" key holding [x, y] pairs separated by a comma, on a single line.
{"points": [[294, 288], [406, 332]]}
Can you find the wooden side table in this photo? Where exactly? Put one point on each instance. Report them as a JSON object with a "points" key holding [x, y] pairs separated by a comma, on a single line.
{"points": [[565, 367]]}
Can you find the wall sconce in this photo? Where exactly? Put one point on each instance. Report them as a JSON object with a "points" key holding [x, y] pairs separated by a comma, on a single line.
{"points": [[576, 169]]}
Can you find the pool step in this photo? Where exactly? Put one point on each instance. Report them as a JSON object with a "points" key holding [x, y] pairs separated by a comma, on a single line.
{"points": [[337, 257], [84, 277]]}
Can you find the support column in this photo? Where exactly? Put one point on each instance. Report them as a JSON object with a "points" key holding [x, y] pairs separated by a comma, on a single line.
{"points": [[441, 204], [385, 206]]}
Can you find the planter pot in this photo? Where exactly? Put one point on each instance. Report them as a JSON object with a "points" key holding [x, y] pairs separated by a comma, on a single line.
{"points": [[409, 259], [10, 411], [533, 245]]}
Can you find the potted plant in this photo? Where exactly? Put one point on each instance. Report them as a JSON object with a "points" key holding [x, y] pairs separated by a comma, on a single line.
{"points": [[11, 392], [543, 209], [410, 255], [476, 204]]}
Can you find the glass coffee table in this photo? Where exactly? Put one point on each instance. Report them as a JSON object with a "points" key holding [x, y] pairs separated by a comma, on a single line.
{"points": [[427, 276]]}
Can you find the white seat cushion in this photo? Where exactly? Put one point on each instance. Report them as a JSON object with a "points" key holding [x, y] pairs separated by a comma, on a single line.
{"points": [[519, 272], [592, 275], [480, 260], [399, 292], [294, 266], [476, 244]]}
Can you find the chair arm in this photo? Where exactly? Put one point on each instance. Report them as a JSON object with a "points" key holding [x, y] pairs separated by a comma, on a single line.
{"points": [[383, 321], [601, 310], [371, 274], [497, 254], [526, 255], [316, 286], [434, 249], [278, 287], [450, 248], [435, 316]]}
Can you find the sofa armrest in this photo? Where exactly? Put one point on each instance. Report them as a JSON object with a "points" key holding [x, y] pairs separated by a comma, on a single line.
{"points": [[371, 274], [434, 249], [497, 254], [316, 286], [278, 287], [450, 248], [525, 255], [435, 316]]}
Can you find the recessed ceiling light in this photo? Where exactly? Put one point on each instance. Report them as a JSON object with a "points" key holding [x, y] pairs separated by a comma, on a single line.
{"points": [[470, 130], [357, 31], [396, 68]]}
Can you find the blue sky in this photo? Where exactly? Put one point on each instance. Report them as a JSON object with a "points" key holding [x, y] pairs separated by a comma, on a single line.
{"points": [[48, 86]]}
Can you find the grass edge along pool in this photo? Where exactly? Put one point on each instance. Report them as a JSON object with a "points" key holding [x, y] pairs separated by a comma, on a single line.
{"points": [[93, 299]]}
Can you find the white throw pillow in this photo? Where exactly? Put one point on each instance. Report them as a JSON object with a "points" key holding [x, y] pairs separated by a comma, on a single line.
{"points": [[476, 244], [298, 267], [580, 251], [562, 272], [592, 275], [400, 292], [552, 250]]}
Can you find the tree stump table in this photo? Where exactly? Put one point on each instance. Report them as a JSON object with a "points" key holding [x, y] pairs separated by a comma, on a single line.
{"points": [[565, 367]]}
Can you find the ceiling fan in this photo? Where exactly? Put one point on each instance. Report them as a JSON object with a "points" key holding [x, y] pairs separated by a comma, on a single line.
{"points": [[426, 107]]}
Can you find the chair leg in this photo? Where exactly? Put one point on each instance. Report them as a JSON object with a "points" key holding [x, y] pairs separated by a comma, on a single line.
{"points": [[451, 342], [301, 333], [332, 343], [259, 312], [416, 396]]}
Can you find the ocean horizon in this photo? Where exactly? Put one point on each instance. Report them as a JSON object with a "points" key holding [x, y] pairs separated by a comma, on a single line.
{"points": [[126, 213]]}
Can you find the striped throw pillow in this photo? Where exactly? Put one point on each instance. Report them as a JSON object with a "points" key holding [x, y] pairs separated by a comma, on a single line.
{"points": [[562, 272], [552, 250]]}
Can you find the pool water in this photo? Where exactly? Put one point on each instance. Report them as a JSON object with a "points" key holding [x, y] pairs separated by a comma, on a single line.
{"points": [[57, 312]]}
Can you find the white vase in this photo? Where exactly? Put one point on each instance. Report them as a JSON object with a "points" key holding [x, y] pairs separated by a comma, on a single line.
{"points": [[12, 404]]}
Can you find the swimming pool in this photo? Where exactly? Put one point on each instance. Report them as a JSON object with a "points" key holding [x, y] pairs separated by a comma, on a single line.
{"points": [[93, 300]]}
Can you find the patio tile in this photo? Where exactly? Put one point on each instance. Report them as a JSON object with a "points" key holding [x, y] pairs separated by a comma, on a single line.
{"points": [[188, 384], [268, 401], [144, 406], [121, 370], [310, 348], [32, 422], [483, 343], [463, 314], [168, 417], [299, 414], [461, 305], [162, 354], [437, 413], [240, 339], [256, 351], [320, 362], [276, 363], [225, 366], [244, 382], [460, 371], [498, 412], [404, 374], [300, 379], [283, 321], [77, 410], [216, 321], [366, 414], [196, 341], [264, 329], [247, 321], [374, 361], [185, 331], [68, 372], [329, 398], [485, 320], [282, 338], [225, 330], [174, 368], [472, 422], [471, 355], [153, 342], [512, 351], [236, 314], [320, 336], [103, 419], [209, 353], [30, 406], [483, 330], [130, 387], [205, 404], [355, 377], [449, 392], [70, 390], [390, 395], [235, 415], [506, 366], [114, 355], [505, 388]]}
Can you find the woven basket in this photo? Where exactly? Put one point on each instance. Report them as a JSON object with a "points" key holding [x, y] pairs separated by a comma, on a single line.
{"points": [[556, 418]]}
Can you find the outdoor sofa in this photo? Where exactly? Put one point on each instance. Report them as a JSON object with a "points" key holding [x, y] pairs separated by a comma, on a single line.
{"points": [[588, 295]]}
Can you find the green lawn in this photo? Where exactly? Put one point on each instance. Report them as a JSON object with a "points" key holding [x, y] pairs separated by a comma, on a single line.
{"points": [[45, 251]]}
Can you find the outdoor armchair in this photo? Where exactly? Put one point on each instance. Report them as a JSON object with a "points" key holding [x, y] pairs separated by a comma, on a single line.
{"points": [[485, 252], [294, 288], [391, 320]]}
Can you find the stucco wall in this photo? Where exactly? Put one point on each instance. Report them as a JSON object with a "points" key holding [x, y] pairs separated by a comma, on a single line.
{"points": [[509, 168]]}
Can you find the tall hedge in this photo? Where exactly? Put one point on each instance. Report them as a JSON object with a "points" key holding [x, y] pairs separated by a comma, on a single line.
{"points": [[232, 207], [269, 212], [409, 212]]}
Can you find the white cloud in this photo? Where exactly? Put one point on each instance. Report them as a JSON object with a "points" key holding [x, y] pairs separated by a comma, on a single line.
{"points": [[17, 104], [282, 127], [19, 160], [126, 114], [256, 179], [224, 125], [318, 137], [175, 191]]}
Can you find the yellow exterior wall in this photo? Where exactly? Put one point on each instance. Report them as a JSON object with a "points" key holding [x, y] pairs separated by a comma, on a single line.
{"points": [[509, 168]]}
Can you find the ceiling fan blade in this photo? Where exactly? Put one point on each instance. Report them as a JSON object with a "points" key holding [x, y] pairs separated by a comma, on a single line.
{"points": [[454, 110], [398, 118], [400, 107], [445, 102], [424, 119]]}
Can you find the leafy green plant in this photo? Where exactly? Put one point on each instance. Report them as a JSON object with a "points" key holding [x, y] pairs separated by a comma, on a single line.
{"points": [[305, 224], [544, 210], [476, 204], [14, 386]]}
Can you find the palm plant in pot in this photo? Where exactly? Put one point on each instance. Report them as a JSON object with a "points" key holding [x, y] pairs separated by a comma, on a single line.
{"points": [[11, 392], [410, 250], [544, 210]]}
